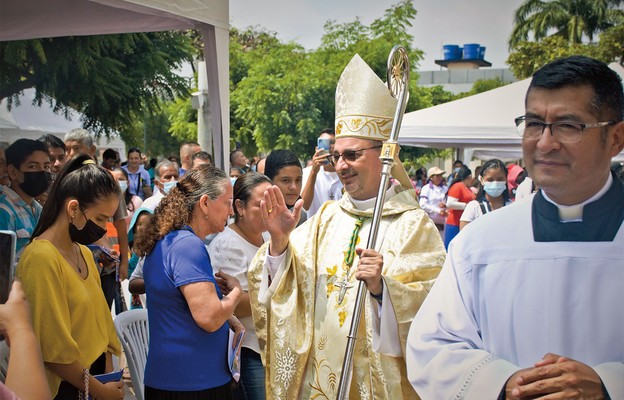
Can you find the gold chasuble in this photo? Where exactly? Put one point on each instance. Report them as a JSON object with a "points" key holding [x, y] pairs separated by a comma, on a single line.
{"points": [[302, 327]]}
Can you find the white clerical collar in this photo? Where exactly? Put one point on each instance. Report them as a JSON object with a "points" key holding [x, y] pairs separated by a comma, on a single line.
{"points": [[370, 203], [574, 213]]}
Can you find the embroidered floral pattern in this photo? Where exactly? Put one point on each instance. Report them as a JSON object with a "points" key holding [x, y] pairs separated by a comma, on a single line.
{"points": [[285, 366]]}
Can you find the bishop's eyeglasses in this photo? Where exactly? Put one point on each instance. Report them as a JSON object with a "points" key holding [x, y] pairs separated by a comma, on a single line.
{"points": [[561, 131], [348, 155]]}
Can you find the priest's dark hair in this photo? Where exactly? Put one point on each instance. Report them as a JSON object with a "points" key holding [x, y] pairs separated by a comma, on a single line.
{"points": [[608, 100], [279, 159], [243, 188], [82, 179], [494, 163]]}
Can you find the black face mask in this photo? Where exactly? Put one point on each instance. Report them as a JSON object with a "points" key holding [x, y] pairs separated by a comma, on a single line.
{"points": [[35, 183], [89, 233]]}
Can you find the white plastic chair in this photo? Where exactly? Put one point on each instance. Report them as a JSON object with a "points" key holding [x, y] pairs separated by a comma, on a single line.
{"points": [[132, 329], [4, 360]]}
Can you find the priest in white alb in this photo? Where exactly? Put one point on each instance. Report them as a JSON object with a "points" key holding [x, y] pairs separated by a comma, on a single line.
{"points": [[303, 283], [529, 304]]}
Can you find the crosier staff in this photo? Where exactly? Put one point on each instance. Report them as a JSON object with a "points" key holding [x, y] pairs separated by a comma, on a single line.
{"points": [[397, 74]]}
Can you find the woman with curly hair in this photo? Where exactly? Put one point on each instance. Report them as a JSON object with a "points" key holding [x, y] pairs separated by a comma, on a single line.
{"points": [[189, 315]]}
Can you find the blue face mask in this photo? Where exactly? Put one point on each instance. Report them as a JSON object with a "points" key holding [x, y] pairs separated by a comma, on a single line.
{"points": [[494, 189], [456, 170], [167, 186], [233, 180], [123, 185]]}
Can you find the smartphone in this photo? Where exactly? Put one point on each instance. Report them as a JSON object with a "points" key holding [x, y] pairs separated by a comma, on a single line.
{"points": [[8, 243], [323, 143]]}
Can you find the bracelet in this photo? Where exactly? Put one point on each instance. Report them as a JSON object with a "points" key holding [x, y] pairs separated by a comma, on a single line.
{"points": [[86, 386]]}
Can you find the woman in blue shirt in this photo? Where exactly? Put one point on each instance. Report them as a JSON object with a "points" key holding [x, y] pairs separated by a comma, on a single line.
{"points": [[189, 315]]}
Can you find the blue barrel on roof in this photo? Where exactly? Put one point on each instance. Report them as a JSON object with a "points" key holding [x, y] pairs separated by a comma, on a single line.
{"points": [[471, 51], [451, 52]]}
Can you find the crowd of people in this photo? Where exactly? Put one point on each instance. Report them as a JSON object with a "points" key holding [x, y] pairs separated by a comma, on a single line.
{"points": [[477, 286]]}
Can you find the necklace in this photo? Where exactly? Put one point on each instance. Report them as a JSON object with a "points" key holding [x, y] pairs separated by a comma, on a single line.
{"points": [[76, 251]]}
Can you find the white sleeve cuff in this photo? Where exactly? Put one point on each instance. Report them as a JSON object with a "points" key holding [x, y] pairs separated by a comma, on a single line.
{"points": [[385, 326], [274, 268], [611, 374]]}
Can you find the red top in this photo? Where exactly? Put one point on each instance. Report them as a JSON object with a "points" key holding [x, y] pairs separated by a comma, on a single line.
{"points": [[462, 194]]}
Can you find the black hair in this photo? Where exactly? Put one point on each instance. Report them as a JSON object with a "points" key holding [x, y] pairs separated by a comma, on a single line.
{"points": [[463, 173], [458, 162], [153, 162], [52, 141], [109, 154], [202, 155], [279, 159], [82, 179], [232, 154], [488, 165], [243, 187], [19, 151], [608, 100], [329, 131], [134, 150]]}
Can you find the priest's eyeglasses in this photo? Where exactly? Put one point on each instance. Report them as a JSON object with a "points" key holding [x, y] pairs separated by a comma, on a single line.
{"points": [[561, 131], [348, 155]]}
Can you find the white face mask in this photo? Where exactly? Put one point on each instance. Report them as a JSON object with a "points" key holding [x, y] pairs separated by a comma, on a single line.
{"points": [[167, 186], [494, 189], [123, 185]]}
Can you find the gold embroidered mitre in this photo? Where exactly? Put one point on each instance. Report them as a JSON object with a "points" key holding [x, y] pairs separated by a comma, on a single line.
{"points": [[364, 106]]}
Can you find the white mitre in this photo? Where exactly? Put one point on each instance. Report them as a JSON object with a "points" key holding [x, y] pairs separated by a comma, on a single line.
{"points": [[364, 106], [365, 109]]}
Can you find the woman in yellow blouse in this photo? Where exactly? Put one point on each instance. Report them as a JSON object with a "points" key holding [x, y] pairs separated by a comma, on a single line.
{"points": [[70, 316]]}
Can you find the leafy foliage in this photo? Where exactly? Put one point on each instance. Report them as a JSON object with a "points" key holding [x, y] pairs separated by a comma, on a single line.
{"points": [[570, 19], [282, 96], [530, 56], [109, 78]]}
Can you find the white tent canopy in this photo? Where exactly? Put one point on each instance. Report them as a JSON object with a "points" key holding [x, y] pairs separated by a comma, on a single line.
{"points": [[482, 124], [29, 19]]}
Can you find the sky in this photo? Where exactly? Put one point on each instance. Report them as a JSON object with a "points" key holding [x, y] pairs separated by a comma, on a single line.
{"points": [[437, 22]]}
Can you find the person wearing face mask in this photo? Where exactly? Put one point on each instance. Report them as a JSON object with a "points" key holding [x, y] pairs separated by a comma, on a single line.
{"points": [[166, 174], [28, 168], [69, 312], [133, 202], [492, 195]]}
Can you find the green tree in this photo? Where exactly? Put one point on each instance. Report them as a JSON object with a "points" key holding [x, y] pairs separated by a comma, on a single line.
{"points": [[282, 96], [528, 57], [111, 79], [570, 19]]}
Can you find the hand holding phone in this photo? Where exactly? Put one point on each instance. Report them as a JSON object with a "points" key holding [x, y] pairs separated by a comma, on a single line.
{"points": [[323, 144]]}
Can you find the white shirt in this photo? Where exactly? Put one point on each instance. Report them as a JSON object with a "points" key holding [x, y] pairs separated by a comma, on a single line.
{"points": [[326, 187], [430, 198], [232, 254], [503, 300]]}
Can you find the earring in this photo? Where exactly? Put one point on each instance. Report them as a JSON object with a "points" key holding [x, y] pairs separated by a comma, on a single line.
{"points": [[205, 216]]}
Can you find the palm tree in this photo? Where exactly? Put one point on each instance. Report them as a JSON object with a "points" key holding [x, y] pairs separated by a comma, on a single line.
{"points": [[570, 19]]}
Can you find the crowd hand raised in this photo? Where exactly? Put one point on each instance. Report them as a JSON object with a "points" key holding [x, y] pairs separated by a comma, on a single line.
{"points": [[555, 377], [369, 269], [278, 219], [226, 282]]}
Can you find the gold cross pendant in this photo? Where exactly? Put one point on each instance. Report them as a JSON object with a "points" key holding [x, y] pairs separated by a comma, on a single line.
{"points": [[344, 285]]}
